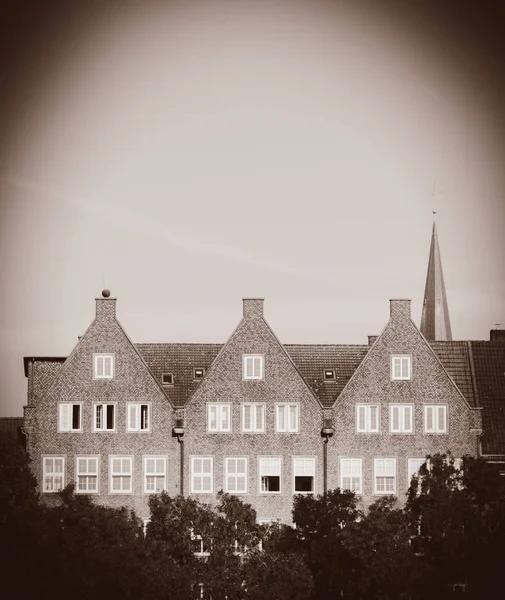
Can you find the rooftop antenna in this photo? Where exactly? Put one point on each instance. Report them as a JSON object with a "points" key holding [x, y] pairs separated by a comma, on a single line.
{"points": [[497, 325]]}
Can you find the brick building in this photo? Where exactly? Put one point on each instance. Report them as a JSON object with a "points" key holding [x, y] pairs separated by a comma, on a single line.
{"points": [[258, 418]]}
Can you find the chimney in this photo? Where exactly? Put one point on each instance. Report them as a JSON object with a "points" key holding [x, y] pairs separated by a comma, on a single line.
{"points": [[253, 308], [105, 306], [497, 335], [399, 309], [371, 339]]}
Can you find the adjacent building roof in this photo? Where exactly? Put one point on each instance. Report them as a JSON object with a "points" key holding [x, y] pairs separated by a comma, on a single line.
{"points": [[489, 361], [435, 322], [456, 358], [10, 427]]}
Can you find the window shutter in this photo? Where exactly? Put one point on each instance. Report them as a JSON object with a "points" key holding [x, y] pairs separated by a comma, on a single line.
{"points": [[225, 417], [65, 417], [107, 366], [257, 366], [99, 366], [405, 368], [213, 418], [249, 368], [293, 425], [281, 421]]}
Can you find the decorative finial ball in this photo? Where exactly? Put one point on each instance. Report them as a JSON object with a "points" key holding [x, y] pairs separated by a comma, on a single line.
{"points": [[434, 211], [105, 293]]}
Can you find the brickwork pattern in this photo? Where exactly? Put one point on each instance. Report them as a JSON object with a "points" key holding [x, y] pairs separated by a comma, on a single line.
{"points": [[281, 383], [74, 382], [372, 384]]}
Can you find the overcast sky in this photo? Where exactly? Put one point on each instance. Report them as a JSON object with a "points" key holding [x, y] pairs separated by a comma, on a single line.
{"points": [[198, 152]]}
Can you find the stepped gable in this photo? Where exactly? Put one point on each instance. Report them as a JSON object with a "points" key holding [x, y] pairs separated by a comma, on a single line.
{"points": [[311, 360], [455, 357], [180, 360], [489, 361]]}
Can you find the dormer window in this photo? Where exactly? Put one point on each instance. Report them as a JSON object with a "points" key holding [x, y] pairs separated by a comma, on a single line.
{"points": [[401, 368], [167, 379], [103, 366], [329, 374], [252, 366], [198, 373]]}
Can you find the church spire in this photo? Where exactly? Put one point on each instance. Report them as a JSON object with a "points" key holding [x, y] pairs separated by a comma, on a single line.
{"points": [[435, 322]]}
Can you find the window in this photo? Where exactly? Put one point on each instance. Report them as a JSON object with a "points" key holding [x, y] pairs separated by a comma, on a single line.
{"points": [[351, 474], [413, 465], [198, 373], [87, 474], [236, 475], [138, 417], [367, 418], [53, 473], [400, 368], [400, 418], [200, 548], [435, 418], [252, 366], [103, 366], [270, 475], [155, 470], [253, 418], [69, 418], [218, 418], [329, 374], [304, 473], [104, 418], [385, 475], [121, 475], [167, 379], [287, 418], [201, 475]]}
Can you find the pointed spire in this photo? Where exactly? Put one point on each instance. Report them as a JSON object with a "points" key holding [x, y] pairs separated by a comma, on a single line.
{"points": [[435, 322]]}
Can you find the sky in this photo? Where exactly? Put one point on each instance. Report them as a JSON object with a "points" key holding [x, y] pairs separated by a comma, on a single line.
{"points": [[193, 153]]}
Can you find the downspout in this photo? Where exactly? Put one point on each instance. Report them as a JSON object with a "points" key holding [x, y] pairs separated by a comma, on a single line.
{"points": [[326, 433], [178, 432]]}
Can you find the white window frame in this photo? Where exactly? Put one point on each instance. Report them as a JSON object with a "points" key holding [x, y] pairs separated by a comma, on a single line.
{"points": [[221, 408], [136, 407], [202, 474], [368, 420], [62, 406], [227, 475], [246, 358], [353, 463], [254, 406], [288, 428], [99, 356], [195, 537], [154, 473], [113, 474], [436, 429], [394, 474], [312, 461], [145, 523], [403, 376], [53, 473], [87, 473], [413, 466], [261, 459], [101, 429], [402, 409]]}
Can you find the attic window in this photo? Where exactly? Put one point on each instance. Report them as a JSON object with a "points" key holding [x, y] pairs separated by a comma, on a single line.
{"points": [[198, 373], [329, 374], [167, 379]]}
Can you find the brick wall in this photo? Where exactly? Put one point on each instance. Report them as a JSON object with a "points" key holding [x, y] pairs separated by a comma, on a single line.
{"points": [[281, 383], [372, 384], [73, 382]]}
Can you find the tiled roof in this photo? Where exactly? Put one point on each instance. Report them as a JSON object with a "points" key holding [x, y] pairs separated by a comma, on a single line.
{"points": [[180, 360], [312, 359], [455, 357], [10, 426], [489, 361]]}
